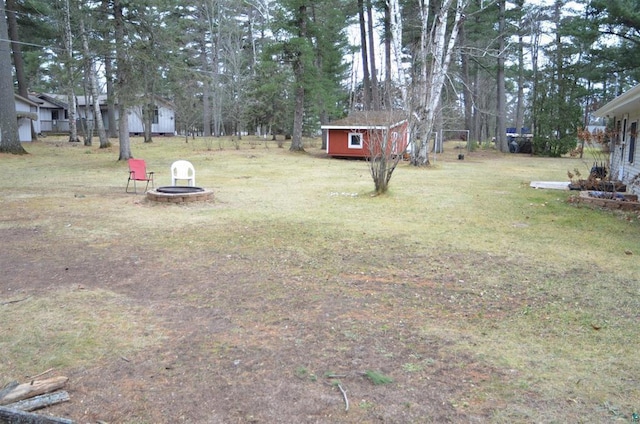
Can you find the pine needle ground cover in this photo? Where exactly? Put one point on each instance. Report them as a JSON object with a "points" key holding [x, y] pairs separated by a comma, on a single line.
{"points": [[468, 295]]}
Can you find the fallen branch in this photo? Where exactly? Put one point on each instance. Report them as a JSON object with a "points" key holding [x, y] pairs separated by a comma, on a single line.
{"points": [[33, 388], [20, 417], [344, 395], [41, 401]]}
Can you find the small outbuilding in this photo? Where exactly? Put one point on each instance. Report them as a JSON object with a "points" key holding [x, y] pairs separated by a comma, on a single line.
{"points": [[623, 114], [364, 133]]}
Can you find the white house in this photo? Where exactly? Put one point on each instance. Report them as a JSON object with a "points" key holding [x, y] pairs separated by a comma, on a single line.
{"points": [[52, 113], [26, 112], [55, 117], [623, 113]]}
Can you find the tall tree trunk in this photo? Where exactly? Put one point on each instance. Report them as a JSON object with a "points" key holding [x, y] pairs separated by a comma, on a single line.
{"points": [[466, 89], [9, 139], [375, 92], [501, 136], [206, 89], [108, 72], [298, 72], [366, 81], [93, 87], [520, 99], [18, 59], [396, 41], [112, 131], [69, 68], [122, 78], [387, 96]]}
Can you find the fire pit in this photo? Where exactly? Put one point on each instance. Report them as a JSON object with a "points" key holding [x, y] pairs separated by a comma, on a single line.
{"points": [[179, 194]]}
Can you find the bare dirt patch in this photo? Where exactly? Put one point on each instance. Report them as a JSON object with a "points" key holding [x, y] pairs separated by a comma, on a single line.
{"points": [[237, 334]]}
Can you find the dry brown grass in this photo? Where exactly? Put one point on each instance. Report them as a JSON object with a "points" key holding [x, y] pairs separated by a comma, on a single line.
{"points": [[483, 299]]}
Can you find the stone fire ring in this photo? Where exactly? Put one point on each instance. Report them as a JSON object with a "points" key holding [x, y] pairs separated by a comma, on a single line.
{"points": [[179, 194]]}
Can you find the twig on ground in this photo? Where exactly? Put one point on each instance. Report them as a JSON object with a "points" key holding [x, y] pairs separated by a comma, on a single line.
{"points": [[8, 302], [336, 376], [344, 395], [33, 377]]}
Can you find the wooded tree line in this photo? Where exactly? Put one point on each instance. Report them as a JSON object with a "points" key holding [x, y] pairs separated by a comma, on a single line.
{"points": [[289, 66]]}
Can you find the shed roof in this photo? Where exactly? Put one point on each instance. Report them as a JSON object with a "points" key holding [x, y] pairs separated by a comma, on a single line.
{"points": [[383, 119], [627, 102]]}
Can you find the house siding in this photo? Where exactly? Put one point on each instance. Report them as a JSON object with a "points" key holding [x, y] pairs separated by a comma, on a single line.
{"points": [[164, 126], [622, 168], [24, 124]]}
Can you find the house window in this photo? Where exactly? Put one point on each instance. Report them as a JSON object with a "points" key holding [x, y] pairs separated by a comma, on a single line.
{"points": [[54, 115], [355, 140], [632, 140], [156, 115]]}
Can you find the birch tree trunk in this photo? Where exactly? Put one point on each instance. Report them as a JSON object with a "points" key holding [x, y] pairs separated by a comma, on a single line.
{"points": [[396, 41], [93, 87], [433, 72]]}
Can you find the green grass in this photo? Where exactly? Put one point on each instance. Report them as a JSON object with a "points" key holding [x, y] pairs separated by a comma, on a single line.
{"points": [[465, 252]]}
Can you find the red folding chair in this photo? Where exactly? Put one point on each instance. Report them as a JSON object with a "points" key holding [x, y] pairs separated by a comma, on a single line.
{"points": [[138, 172]]}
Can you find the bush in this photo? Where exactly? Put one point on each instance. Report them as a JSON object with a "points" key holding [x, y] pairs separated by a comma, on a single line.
{"points": [[553, 147]]}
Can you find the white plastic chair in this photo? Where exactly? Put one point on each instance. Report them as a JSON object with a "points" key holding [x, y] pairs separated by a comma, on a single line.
{"points": [[183, 170]]}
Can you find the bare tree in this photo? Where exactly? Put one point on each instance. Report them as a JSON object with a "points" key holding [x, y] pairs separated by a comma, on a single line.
{"points": [[387, 141]]}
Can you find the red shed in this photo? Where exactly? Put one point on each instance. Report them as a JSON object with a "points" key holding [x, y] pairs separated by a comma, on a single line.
{"points": [[363, 132]]}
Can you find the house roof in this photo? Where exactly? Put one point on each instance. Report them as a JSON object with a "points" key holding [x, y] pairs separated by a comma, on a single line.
{"points": [[627, 102], [53, 99], [383, 119], [25, 100], [81, 101]]}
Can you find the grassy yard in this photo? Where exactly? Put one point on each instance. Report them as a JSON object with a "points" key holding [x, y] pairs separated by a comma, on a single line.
{"points": [[480, 298]]}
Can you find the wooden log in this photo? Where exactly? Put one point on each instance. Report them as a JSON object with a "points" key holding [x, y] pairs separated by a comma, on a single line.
{"points": [[41, 401], [11, 416], [33, 388], [8, 388]]}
